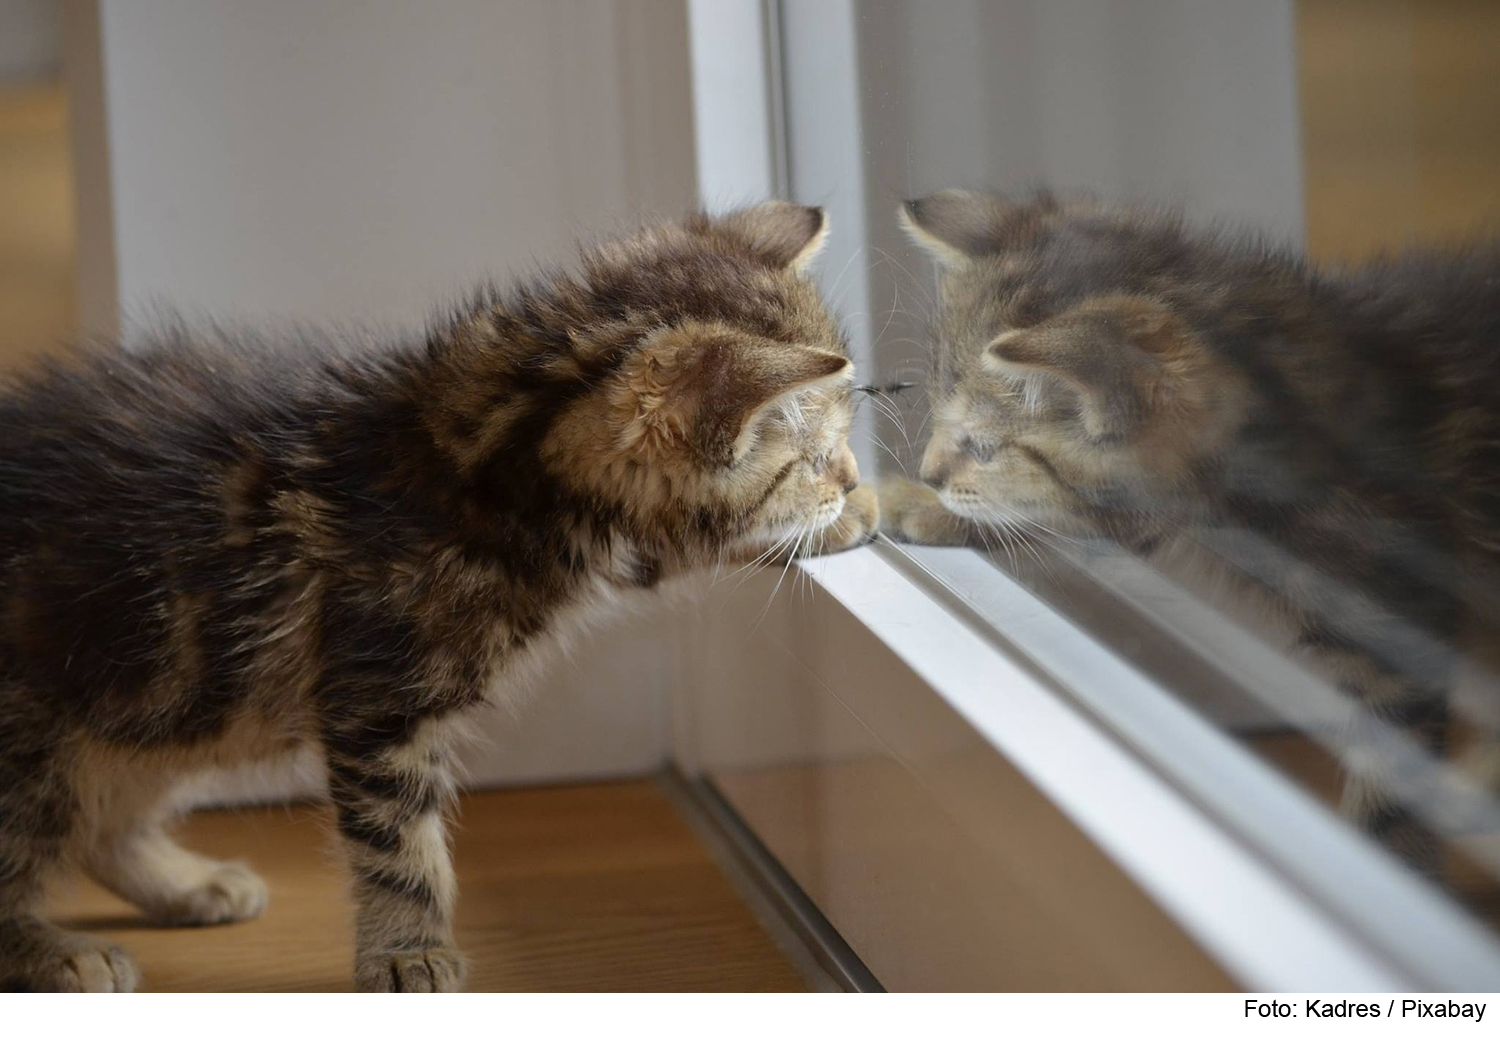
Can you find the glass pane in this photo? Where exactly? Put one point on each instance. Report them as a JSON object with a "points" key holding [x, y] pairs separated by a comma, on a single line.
{"points": [[1193, 327]]}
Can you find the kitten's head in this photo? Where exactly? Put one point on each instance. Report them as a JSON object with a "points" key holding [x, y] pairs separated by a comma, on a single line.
{"points": [[703, 396], [1069, 386]]}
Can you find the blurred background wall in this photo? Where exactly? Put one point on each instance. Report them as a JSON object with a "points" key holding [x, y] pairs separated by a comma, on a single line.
{"points": [[366, 159]]}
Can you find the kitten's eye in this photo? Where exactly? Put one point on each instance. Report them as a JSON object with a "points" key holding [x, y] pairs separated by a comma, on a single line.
{"points": [[977, 450]]}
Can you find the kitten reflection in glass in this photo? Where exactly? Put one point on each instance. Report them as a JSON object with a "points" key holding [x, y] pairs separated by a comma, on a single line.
{"points": [[1105, 371]]}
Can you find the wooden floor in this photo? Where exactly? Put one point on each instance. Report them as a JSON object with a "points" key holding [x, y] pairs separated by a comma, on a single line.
{"points": [[598, 887]]}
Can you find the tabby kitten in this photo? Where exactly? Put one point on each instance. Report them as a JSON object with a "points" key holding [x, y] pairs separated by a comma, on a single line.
{"points": [[213, 551], [1326, 444]]}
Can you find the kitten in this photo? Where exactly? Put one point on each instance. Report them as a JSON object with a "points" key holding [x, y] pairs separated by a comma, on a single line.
{"points": [[1329, 443], [212, 552]]}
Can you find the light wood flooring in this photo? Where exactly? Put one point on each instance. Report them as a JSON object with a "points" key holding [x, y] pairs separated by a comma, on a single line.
{"points": [[596, 887]]}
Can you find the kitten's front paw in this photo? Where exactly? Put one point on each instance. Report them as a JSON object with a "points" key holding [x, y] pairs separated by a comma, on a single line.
{"points": [[912, 512], [80, 965], [233, 893], [856, 525], [433, 970]]}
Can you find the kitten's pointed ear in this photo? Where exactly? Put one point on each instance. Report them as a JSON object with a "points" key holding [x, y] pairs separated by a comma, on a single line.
{"points": [[743, 385], [953, 226], [704, 386], [1119, 354], [788, 236]]}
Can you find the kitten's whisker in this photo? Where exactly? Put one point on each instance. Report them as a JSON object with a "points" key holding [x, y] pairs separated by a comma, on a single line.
{"points": [[748, 568], [1061, 537], [898, 418], [927, 416], [762, 559], [925, 295], [887, 414], [1026, 541], [983, 537], [995, 534], [833, 289], [888, 407], [1017, 539], [796, 547], [888, 450], [889, 318]]}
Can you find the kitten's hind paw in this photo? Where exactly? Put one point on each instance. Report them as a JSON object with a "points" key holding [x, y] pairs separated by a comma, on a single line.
{"points": [[232, 893], [433, 970]]}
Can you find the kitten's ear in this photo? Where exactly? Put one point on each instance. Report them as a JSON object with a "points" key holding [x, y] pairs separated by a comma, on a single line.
{"points": [[704, 386], [788, 236], [737, 387], [953, 226], [1119, 353]]}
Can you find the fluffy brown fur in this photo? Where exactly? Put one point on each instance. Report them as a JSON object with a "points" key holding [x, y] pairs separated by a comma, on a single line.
{"points": [[213, 550], [1329, 442]]}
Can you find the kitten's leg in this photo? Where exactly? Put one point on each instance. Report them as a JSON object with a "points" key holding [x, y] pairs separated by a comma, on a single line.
{"points": [[391, 803], [1367, 800], [173, 885], [912, 512], [38, 819], [128, 850], [36, 956]]}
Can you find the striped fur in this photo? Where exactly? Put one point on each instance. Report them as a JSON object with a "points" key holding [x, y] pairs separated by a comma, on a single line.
{"points": [[1326, 444], [215, 550]]}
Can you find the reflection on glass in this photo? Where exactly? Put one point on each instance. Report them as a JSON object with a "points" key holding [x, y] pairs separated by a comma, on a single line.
{"points": [[1314, 452]]}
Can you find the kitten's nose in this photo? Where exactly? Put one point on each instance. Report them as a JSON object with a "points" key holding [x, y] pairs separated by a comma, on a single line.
{"points": [[936, 466], [934, 473]]}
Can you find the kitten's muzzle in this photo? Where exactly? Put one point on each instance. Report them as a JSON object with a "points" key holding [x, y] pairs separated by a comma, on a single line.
{"points": [[935, 475]]}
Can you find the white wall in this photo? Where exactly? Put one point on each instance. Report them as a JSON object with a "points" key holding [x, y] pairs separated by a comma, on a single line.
{"points": [[367, 160], [364, 158]]}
